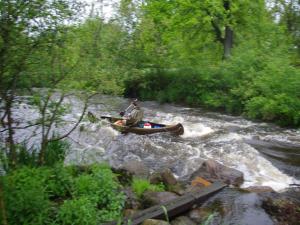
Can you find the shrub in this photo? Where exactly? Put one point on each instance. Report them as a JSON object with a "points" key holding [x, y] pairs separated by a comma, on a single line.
{"points": [[111, 200], [25, 197], [139, 186], [79, 211], [42, 195], [100, 187], [87, 186], [56, 152], [59, 183]]}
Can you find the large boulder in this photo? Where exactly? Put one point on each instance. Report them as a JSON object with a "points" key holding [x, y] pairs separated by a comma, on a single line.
{"points": [[198, 214], [137, 168], [132, 201], [212, 171], [151, 198], [164, 176], [283, 210]]}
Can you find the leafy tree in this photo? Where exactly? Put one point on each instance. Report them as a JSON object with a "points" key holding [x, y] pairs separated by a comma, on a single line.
{"points": [[22, 25]]}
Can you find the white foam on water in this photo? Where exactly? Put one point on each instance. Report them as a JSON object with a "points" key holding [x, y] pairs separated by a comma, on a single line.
{"points": [[227, 148], [256, 169], [191, 129], [196, 130]]}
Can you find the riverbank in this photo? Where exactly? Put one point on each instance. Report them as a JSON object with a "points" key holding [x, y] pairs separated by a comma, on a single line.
{"points": [[232, 142], [263, 204]]}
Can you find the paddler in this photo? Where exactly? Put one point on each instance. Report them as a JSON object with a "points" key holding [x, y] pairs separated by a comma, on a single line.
{"points": [[132, 115]]}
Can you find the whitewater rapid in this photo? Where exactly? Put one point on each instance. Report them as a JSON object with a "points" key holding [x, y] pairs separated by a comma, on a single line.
{"points": [[207, 135]]}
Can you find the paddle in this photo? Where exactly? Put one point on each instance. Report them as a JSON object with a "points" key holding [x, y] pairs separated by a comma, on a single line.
{"points": [[105, 117], [93, 119], [122, 113]]}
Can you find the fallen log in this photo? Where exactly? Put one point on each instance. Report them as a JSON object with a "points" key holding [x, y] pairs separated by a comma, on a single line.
{"points": [[174, 207]]}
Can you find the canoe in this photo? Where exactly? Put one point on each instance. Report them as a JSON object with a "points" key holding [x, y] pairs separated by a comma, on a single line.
{"points": [[176, 129]]}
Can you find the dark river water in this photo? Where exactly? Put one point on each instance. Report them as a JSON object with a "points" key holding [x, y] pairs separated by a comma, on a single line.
{"points": [[267, 154]]}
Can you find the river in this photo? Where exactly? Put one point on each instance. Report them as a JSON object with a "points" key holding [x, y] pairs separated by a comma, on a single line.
{"points": [[268, 155]]}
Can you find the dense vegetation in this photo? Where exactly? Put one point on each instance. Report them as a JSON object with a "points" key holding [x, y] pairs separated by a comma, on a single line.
{"points": [[62, 195], [241, 57]]}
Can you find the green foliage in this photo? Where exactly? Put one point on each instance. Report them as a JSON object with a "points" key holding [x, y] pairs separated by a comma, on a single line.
{"points": [[260, 83], [78, 211], [139, 186], [25, 197], [60, 181], [182, 43], [62, 195], [111, 201], [54, 154]]}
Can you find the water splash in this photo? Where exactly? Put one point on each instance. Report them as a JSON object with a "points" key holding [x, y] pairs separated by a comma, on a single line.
{"points": [[207, 135]]}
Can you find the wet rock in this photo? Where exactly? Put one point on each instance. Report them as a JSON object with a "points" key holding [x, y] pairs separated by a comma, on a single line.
{"points": [[155, 222], [284, 211], [165, 176], [137, 168], [177, 188], [151, 198], [129, 212], [131, 201], [212, 171], [292, 194], [168, 177], [155, 178], [124, 176], [259, 189], [191, 188], [204, 213], [182, 220], [200, 182], [198, 214]]}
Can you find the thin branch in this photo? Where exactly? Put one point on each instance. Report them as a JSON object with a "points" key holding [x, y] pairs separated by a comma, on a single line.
{"points": [[54, 114], [77, 123], [74, 127], [43, 111], [20, 128]]}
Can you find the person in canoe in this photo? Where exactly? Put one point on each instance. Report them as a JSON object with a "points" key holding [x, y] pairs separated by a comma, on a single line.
{"points": [[132, 115]]}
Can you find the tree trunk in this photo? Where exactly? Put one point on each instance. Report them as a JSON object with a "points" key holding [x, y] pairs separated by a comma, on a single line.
{"points": [[228, 39], [11, 143], [44, 146], [2, 205], [228, 42]]}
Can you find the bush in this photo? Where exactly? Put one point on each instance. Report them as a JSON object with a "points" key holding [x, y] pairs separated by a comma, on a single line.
{"points": [[62, 195], [253, 83], [111, 200], [54, 153], [59, 183], [139, 186], [25, 197], [79, 211]]}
